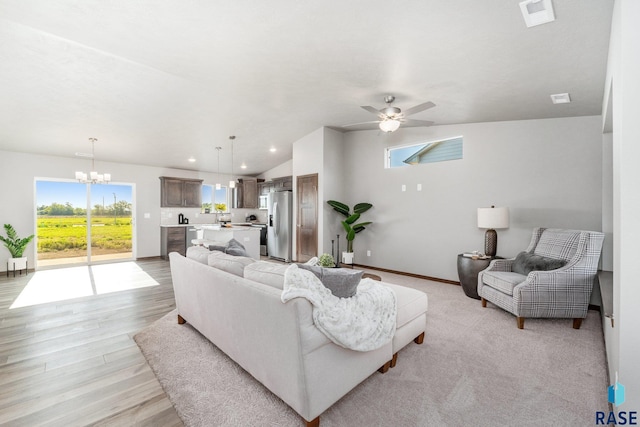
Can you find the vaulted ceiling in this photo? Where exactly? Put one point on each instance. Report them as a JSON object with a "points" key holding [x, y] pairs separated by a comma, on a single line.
{"points": [[160, 81]]}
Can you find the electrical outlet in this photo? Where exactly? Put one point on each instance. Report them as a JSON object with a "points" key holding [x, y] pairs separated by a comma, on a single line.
{"points": [[247, 239], [419, 187], [197, 215], [404, 187], [368, 253], [147, 215]]}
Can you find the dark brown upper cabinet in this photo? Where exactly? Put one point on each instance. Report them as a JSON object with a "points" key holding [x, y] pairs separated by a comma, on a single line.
{"points": [[180, 192]]}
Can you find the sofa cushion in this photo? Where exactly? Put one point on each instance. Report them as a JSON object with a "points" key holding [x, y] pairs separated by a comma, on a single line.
{"points": [[268, 273], [229, 263], [342, 282], [198, 253], [411, 303], [526, 262], [503, 281]]}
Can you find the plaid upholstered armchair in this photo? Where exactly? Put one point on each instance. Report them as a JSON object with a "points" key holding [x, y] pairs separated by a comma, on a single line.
{"points": [[532, 285]]}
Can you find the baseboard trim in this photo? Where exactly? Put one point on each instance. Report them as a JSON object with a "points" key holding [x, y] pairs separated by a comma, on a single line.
{"points": [[150, 258], [404, 273]]}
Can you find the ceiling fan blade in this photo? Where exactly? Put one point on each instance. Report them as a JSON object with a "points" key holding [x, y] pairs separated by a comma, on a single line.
{"points": [[415, 123], [371, 110], [418, 108], [361, 124]]}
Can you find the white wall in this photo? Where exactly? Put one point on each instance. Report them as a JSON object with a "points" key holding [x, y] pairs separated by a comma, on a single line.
{"points": [[284, 169], [307, 160], [334, 188], [548, 172], [622, 73], [17, 206]]}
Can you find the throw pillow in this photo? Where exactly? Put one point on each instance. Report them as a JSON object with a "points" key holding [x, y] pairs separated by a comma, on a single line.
{"points": [[342, 282], [527, 262], [236, 248], [232, 247]]}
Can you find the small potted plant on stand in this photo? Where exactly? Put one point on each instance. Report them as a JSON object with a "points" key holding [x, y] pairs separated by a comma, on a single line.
{"points": [[16, 247], [349, 224], [326, 260]]}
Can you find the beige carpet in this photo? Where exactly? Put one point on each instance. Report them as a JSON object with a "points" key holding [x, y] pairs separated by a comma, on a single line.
{"points": [[475, 368]]}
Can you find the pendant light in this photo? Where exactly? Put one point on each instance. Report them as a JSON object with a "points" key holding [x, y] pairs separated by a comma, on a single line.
{"points": [[232, 181], [218, 185], [93, 177]]}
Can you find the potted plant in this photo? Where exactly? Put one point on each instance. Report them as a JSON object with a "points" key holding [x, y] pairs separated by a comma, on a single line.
{"points": [[16, 247], [326, 260], [350, 225]]}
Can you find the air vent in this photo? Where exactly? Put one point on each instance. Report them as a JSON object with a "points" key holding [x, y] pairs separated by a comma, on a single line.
{"points": [[537, 12], [560, 98]]}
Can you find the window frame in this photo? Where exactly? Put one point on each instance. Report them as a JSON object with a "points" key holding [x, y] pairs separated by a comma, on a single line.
{"points": [[213, 197], [388, 150]]}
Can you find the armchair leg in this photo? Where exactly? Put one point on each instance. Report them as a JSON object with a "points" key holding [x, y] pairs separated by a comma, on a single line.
{"points": [[520, 322], [483, 301], [577, 323]]}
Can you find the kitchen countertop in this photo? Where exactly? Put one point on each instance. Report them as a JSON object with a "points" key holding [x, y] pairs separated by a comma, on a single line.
{"points": [[236, 227]]}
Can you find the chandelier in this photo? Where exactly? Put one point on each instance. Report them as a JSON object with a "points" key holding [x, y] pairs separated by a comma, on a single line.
{"points": [[93, 177]]}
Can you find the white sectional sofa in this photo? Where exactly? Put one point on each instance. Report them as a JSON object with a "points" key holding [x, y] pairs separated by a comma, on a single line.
{"points": [[235, 303]]}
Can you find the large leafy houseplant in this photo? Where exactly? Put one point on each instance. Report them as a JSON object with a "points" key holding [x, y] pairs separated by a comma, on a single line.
{"points": [[349, 224], [15, 244]]}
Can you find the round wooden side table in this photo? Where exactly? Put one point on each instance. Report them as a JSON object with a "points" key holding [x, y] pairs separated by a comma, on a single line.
{"points": [[468, 269]]}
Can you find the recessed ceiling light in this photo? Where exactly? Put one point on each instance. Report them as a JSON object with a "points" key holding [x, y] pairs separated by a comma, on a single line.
{"points": [[243, 166], [537, 12], [192, 160], [560, 98], [272, 149]]}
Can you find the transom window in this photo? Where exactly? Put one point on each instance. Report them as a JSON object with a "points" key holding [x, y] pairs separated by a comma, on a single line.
{"points": [[424, 152]]}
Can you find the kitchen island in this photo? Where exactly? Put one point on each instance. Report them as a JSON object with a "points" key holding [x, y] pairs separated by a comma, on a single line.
{"points": [[210, 234]]}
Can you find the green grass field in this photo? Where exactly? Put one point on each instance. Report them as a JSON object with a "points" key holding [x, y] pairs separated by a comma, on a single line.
{"points": [[66, 236]]}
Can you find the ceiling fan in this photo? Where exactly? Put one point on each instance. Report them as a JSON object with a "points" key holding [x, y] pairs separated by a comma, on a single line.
{"points": [[390, 118]]}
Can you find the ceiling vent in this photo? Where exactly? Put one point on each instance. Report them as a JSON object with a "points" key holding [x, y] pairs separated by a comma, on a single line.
{"points": [[537, 12], [560, 98]]}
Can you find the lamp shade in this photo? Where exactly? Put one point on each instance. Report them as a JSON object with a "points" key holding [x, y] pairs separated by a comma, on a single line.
{"points": [[389, 125], [493, 218]]}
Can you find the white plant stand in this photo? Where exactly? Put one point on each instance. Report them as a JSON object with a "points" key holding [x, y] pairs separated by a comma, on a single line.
{"points": [[18, 264]]}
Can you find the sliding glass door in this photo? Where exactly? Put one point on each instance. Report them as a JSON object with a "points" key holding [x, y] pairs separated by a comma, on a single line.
{"points": [[83, 223]]}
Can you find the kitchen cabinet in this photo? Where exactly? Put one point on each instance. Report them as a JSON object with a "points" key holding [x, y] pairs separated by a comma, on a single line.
{"points": [[265, 188], [246, 193], [284, 183], [180, 192], [173, 239]]}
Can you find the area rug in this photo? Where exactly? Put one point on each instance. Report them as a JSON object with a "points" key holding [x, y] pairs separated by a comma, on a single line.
{"points": [[475, 368]]}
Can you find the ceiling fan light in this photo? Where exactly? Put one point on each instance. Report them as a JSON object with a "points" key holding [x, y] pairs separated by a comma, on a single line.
{"points": [[389, 125]]}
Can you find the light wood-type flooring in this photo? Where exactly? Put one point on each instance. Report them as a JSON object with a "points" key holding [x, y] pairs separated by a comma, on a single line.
{"points": [[74, 362]]}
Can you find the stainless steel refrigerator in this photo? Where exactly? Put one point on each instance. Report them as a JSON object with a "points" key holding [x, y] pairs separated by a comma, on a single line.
{"points": [[279, 215]]}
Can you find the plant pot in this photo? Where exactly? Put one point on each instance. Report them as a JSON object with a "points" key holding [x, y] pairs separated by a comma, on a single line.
{"points": [[347, 257], [17, 263]]}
